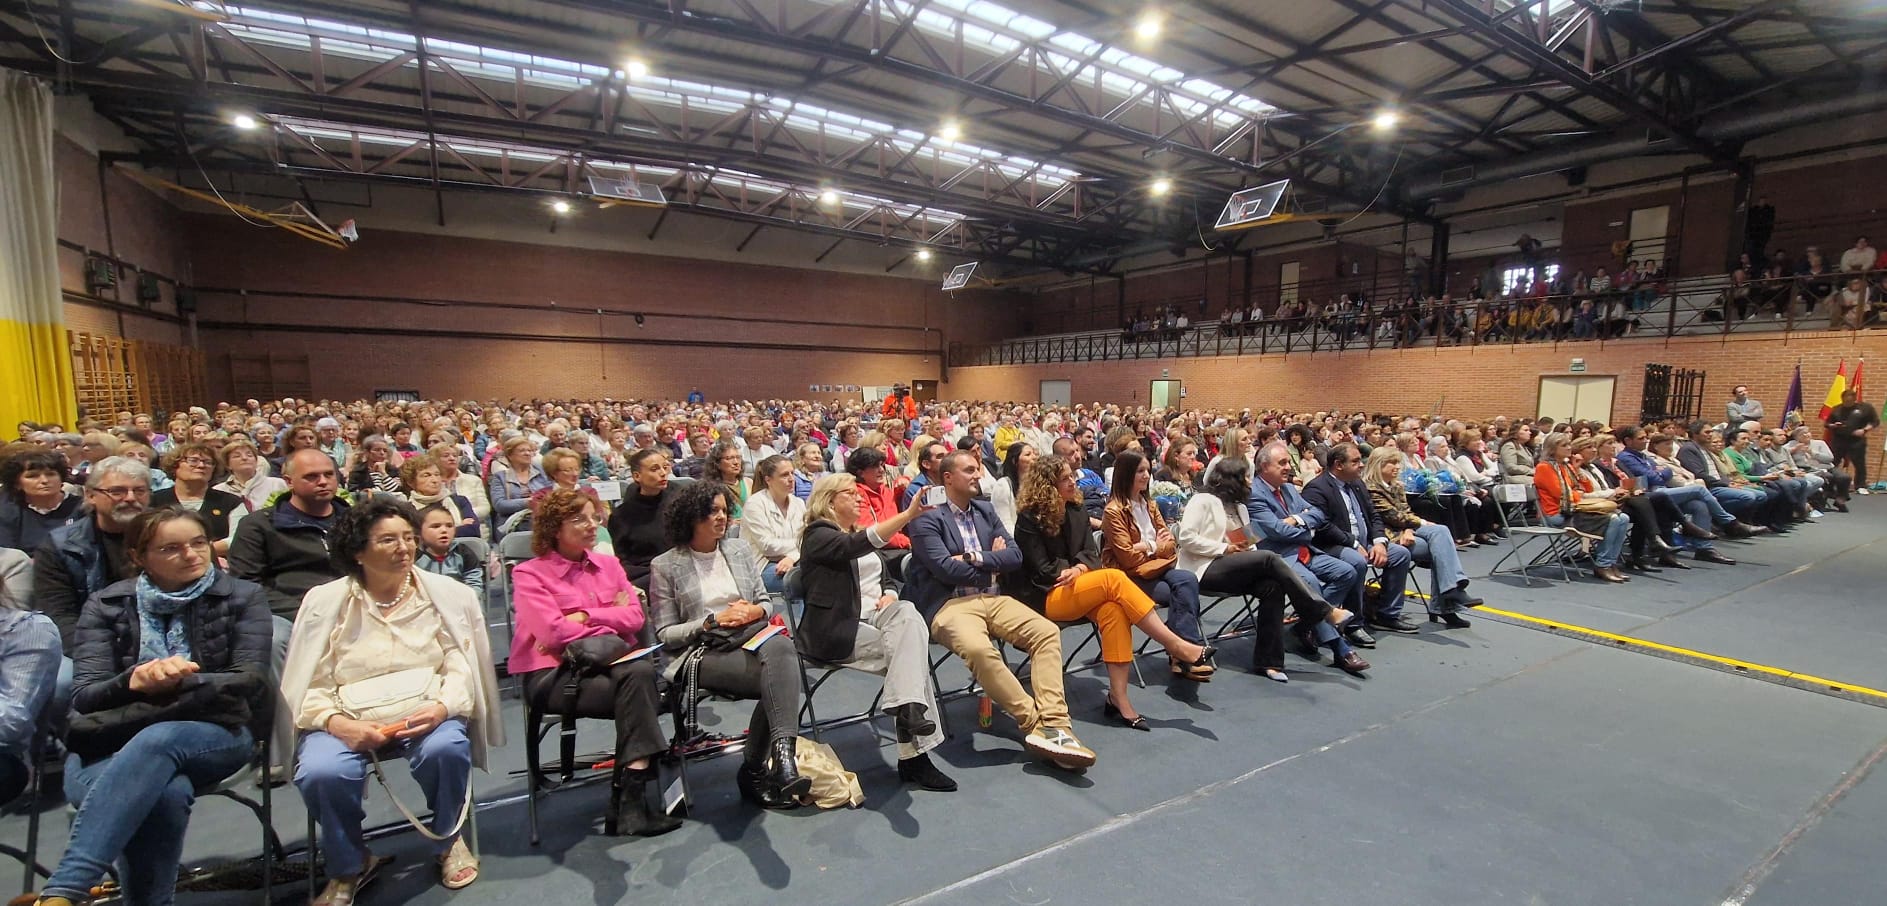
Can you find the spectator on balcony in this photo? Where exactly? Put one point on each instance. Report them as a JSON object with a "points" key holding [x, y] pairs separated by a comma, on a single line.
{"points": [[1851, 308], [1860, 257]]}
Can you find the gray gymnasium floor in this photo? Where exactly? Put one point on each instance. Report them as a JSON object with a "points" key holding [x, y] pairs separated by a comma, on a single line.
{"points": [[1504, 764]]}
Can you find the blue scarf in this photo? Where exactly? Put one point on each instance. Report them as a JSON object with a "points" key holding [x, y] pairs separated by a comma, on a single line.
{"points": [[160, 633]]}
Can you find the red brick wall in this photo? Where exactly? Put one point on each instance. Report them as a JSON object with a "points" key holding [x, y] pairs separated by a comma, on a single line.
{"points": [[145, 233], [1476, 382], [799, 327]]}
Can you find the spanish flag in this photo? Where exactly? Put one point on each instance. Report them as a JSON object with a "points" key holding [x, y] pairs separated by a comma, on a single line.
{"points": [[35, 363], [1835, 390]]}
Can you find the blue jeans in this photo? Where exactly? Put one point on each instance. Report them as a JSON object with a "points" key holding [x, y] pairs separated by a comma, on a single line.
{"points": [[1394, 581], [1178, 592], [1741, 502], [1435, 548], [1606, 553], [776, 585], [136, 804], [1340, 583], [332, 778]]}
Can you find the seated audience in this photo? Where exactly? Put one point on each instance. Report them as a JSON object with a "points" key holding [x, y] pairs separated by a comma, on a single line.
{"points": [[1516, 455], [1063, 578], [1217, 545], [1702, 455], [193, 467], [390, 661], [709, 605], [879, 501], [854, 617], [515, 476], [1814, 456], [244, 477], [36, 501], [635, 525], [959, 551], [81, 559], [1288, 526], [1561, 489], [170, 689], [285, 547], [467, 485], [775, 520], [727, 465], [29, 670], [376, 468], [569, 593], [1477, 500], [441, 551], [1595, 459], [809, 465], [1001, 489], [1136, 540], [1351, 530], [1428, 543]]}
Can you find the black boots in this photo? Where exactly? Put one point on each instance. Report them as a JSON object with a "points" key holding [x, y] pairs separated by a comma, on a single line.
{"points": [[629, 811], [912, 721], [772, 779]]}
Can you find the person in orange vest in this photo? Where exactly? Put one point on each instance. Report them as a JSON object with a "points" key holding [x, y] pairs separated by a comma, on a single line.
{"points": [[898, 404]]}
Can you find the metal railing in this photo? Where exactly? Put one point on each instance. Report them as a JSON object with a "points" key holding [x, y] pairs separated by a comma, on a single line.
{"points": [[1692, 307]]}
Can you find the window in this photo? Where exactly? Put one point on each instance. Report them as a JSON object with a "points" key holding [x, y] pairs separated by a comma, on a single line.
{"points": [[1521, 278], [1287, 282]]}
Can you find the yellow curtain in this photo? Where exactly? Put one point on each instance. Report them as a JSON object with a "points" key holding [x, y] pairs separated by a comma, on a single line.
{"points": [[35, 366]]}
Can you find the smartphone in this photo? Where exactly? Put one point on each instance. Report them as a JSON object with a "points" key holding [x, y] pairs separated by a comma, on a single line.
{"points": [[934, 495]]}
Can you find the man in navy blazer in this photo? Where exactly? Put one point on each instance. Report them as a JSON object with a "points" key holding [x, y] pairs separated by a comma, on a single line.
{"points": [[1282, 522], [1354, 534], [957, 551]]}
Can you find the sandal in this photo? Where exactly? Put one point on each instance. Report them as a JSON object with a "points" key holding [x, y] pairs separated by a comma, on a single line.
{"points": [[342, 891], [455, 863]]}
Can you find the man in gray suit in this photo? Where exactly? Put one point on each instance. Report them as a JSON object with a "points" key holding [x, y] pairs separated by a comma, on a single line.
{"points": [[956, 552]]}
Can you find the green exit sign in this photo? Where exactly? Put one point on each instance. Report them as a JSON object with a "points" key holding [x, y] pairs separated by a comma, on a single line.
{"points": [[1578, 366]]}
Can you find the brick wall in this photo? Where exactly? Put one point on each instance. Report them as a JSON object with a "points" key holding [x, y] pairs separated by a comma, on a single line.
{"points": [[145, 234], [427, 313], [1475, 382]]}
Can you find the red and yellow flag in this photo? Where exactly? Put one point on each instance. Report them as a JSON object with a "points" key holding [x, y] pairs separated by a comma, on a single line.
{"points": [[1835, 390]]}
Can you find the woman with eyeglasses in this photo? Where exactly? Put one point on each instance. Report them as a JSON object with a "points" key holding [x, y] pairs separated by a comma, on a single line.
{"points": [[567, 593], [389, 661], [193, 467], [243, 475], [170, 690]]}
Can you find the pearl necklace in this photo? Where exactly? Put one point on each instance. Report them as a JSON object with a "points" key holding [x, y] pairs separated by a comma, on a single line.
{"points": [[406, 588]]}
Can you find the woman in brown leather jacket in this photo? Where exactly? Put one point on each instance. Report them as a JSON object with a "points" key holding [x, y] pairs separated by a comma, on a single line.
{"points": [[1136, 541]]}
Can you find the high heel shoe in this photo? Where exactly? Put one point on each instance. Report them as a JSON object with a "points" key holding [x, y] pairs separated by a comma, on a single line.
{"points": [[1112, 712], [1451, 620]]}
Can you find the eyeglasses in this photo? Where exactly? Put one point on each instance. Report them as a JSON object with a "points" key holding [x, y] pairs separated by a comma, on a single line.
{"points": [[176, 551], [196, 461], [124, 493]]}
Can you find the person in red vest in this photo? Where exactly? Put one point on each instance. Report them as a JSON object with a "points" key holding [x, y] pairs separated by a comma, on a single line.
{"points": [[898, 404]]}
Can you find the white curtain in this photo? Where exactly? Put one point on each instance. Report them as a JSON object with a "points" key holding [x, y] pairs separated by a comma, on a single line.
{"points": [[35, 363]]}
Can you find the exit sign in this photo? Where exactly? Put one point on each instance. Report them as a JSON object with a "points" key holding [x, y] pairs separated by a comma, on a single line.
{"points": [[1578, 366]]}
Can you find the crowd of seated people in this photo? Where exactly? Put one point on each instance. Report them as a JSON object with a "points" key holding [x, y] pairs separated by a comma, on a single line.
{"points": [[330, 595]]}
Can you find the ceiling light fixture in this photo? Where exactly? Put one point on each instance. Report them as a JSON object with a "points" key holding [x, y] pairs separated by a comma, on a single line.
{"points": [[1385, 120], [1149, 25], [923, 254], [1161, 186], [950, 131], [243, 121], [635, 68], [829, 197], [560, 206]]}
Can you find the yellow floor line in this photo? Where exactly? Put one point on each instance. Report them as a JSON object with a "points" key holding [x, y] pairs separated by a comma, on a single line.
{"points": [[1732, 663]]}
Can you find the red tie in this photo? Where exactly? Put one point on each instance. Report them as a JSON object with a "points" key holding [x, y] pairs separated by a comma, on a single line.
{"points": [[1303, 552]]}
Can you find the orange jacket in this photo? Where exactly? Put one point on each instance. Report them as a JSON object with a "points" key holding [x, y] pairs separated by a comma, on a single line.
{"points": [[1556, 498], [890, 407]]}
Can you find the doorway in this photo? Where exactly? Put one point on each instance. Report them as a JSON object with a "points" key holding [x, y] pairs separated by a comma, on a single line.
{"points": [[1164, 394], [1576, 396], [1057, 393]]}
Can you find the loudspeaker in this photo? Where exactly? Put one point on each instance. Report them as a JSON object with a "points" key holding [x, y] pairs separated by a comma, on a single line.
{"points": [[186, 301]]}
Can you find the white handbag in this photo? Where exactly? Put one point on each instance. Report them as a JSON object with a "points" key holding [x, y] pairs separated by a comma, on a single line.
{"points": [[389, 697]]}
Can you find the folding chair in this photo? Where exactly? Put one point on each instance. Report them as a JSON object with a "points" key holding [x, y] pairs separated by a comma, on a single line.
{"points": [[36, 759], [1517, 505], [826, 670], [537, 725], [513, 549]]}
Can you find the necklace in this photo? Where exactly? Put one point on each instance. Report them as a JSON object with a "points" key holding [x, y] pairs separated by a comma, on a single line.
{"points": [[406, 588]]}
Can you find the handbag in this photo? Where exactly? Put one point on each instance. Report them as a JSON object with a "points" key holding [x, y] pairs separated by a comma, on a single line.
{"points": [[391, 696], [595, 655], [832, 785], [1603, 506], [730, 638], [1153, 568]]}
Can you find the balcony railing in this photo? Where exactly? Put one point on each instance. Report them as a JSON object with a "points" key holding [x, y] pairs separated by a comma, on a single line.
{"points": [[1694, 307]]}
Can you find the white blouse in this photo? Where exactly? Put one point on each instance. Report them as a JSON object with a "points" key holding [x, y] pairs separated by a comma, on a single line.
{"points": [[718, 588], [773, 532]]}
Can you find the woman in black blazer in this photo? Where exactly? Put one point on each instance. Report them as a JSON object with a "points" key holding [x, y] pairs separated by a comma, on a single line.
{"points": [[853, 617], [194, 466]]}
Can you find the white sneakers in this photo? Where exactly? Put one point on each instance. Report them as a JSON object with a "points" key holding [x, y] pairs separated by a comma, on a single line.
{"points": [[1058, 745]]}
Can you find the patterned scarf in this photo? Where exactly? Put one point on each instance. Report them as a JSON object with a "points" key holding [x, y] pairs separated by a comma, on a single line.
{"points": [[160, 633]]}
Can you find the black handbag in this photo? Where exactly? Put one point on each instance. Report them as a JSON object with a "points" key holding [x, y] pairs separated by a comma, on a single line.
{"points": [[730, 638], [594, 655]]}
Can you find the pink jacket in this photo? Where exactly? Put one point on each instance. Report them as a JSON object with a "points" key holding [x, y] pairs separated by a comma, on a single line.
{"points": [[545, 590]]}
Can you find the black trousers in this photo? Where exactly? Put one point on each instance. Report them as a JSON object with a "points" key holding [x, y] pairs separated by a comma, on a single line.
{"points": [[1646, 523], [1267, 576], [1854, 450], [1447, 509], [770, 675], [626, 694]]}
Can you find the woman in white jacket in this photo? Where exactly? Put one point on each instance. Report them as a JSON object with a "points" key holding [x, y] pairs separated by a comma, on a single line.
{"points": [[1216, 545], [1476, 499]]}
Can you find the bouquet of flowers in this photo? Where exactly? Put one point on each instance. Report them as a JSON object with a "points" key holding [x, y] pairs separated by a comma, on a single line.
{"points": [[1170, 498]]}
